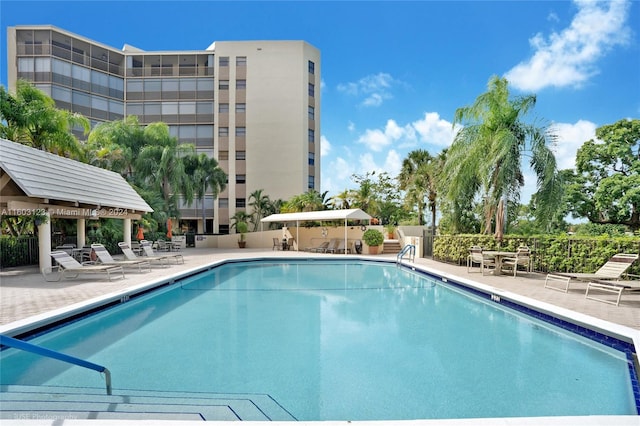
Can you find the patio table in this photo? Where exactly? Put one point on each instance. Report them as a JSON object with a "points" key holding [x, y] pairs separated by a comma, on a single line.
{"points": [[499, 256]]}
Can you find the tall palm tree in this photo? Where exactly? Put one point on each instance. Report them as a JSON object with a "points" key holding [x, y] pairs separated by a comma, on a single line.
{"points": [[160, 164], [342, 200], [414, 180], [261, 205], [205, 175], [485, 158]]}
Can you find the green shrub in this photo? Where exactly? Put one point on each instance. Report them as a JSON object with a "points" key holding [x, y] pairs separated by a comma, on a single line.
{"points": [[373, 237]]}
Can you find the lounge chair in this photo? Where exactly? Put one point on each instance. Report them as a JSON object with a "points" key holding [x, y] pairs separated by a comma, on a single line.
{"points": [[476, 256], [68, 267], [319, 249], [277, 244], [612, 270], [104, 257], [147, 250], [339, 248], [612, 287], [522, 258], [131, 255]]}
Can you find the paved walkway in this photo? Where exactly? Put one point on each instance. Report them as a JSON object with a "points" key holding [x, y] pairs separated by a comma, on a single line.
{"points": [[24, 293]]}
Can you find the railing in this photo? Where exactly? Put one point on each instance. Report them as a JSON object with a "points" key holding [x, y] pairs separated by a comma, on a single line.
{"points": [[38, 350], [409, 248]]}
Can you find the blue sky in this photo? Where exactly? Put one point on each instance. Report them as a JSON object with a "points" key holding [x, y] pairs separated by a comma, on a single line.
{"points": [[393, 73]]}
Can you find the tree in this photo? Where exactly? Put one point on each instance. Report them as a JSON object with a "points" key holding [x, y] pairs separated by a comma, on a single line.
{"points": [[205, 175], [261, 205], [160, 164], [485, 159], [310, 201], [606, 186], [419, 179], [31, 118]]}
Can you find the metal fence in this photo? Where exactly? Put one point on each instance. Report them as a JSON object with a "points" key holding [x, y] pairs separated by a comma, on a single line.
{"points": [[18, 251]]}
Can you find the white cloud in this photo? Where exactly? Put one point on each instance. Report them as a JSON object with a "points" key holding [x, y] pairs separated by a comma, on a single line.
{"points": [[325, 146], [375, 89], [434, 130], [377, 139], [337, 175], [570, 138], [568, 58]]}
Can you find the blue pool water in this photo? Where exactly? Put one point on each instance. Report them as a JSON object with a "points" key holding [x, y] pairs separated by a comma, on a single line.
{"points": [[337, 340]]}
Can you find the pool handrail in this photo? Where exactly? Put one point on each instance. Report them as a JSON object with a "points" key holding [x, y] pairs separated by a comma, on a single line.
{"points": [[39, 350], [411, 249]]}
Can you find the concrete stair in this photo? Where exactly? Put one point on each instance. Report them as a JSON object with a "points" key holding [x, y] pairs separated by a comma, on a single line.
{"points": [[391, 247], [38, 402]]}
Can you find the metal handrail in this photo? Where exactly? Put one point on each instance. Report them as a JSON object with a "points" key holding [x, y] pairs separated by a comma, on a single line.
{"points": [[39, 350], [408, 248]]}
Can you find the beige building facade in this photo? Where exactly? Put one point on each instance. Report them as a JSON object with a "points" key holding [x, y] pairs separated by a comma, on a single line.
{"points": [[252, 105]]}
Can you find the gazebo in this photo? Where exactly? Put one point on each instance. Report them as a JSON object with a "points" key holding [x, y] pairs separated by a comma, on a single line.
{"points": [[320, 216], [37, 182]]}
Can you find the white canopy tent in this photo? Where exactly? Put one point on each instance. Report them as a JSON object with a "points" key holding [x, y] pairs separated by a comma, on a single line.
{"points": [[319, 216]]}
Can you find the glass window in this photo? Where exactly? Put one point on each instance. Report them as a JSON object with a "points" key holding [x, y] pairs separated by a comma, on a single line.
{"points": [[223, 107], [223, 85], [312, 90], [241, 155], [204, 84], [241, 179], [187, 107], [61, 67], [116, 107], [61, 94], [241, 131], [241, 107], [204, 108], [152, 85], [312, 135], [204, 131], [189, 84], [135, 109], [223, 203], [135, 86], [187, 132], [152, 108], [170, 85], [312, 158], [312, 113], [223, 131], [241, 84], [241, 61], [312, 67], [241, 202], [43, 65], [169, 108], [26, 65], [312, 183], [223, 61], [99, 103], [81, 99]]}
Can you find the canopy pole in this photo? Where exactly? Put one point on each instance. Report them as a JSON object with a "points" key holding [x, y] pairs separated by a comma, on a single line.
{"points": [[297, 235], [345, 235]]}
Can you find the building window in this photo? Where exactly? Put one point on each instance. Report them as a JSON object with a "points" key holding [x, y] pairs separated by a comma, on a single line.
{"points": [[312, 183], [223, 203], [241, 61], [312, 113], [241, 131], [241, 179], [223, 155], [241, 107], [223, 61], [223, 107], [241, 84], [241, 155], [241, 203], [312, 135], [312, 67], [223, 85], [223, 131], [312, 90], [312, 158]]}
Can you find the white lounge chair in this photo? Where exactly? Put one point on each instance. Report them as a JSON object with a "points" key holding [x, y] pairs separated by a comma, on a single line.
{"points": [[104, 257], [147, 250], [67, 267], [612, 270], [131, 255], [612, 287], [319, 249]]}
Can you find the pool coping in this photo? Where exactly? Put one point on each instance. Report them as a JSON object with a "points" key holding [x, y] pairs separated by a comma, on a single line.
{"points": [[31, 325]]}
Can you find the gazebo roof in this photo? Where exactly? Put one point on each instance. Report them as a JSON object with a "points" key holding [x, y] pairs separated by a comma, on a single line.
{"points": [[30, 176], [320, 215]]}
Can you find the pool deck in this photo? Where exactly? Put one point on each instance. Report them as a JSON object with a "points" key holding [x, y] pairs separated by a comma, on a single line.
{"points": [[25, 298], [24, 293]]}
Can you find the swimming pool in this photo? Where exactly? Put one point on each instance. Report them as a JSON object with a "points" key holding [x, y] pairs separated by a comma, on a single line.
{"points": [[338, 340]]}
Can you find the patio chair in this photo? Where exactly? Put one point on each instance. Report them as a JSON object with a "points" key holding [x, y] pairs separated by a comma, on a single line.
{"points": [[104, 257], [319, 249], [476, 256], [522, 258], [339, 248], [277, 244], [67, 267], [612, 270], [147, 250], [131, 255]]}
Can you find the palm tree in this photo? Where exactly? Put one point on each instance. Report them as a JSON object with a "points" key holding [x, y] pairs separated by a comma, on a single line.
{"points": [[486, 156], [160, 164], [31, 118], [414, 180], [342, 200], [261, 205], [205, 175]]}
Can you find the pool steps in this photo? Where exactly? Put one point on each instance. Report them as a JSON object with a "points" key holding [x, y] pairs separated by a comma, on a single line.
{"points": [[40, 402]]}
